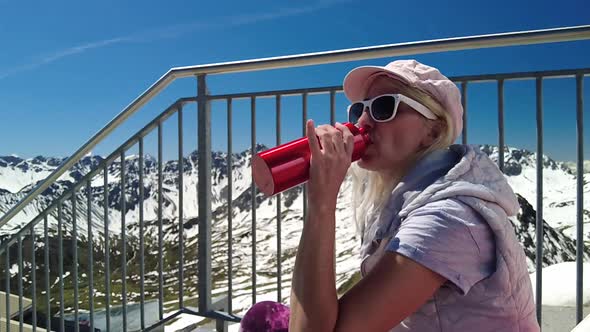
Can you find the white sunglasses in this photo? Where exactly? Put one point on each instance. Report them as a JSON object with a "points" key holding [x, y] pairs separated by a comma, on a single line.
{"points": [[383, 108]]}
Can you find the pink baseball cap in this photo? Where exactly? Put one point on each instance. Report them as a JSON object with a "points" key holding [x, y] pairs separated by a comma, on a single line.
{"points": [[415, 75]]}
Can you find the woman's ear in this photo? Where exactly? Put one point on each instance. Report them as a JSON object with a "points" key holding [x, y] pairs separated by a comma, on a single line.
{"points": [[434, 130]]}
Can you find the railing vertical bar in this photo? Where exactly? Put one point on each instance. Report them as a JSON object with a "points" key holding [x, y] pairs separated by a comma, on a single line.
{"points": [[75, 260], [160, 230], [107, 268], [501, 124], [580, 198], [123, 244], [141, 239], [304, 120], [253, 192], [7, 276], [230, 209], [539, 220], [34, 278], [47, 281], [204, 194], [278, 200], [180, 211], [464, 103], [90, 254], [60, 264], [332, 107], [20, 283]]}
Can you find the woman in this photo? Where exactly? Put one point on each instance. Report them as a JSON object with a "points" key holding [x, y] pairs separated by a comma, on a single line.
{"points": [[439, 251]]}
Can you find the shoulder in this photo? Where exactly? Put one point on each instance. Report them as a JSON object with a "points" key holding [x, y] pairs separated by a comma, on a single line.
{"points": [[449, 221], [448, 209]]}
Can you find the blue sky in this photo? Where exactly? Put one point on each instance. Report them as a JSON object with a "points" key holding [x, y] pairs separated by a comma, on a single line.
{"points": [[67, 68]]}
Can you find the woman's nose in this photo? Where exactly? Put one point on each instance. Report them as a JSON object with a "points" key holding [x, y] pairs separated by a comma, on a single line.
{"points": [[365, 121]]}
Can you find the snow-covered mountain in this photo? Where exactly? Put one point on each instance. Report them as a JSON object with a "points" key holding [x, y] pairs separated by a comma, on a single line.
{"points": [[559, 187], [18, 176]]}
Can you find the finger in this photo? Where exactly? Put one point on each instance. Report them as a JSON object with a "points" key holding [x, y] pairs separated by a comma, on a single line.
{"points": [[325, 140], [342, 128], [349, 145], [347, 138], [314, 145], [338, 141]]}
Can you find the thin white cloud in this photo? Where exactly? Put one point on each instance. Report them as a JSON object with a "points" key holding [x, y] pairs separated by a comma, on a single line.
{"points": [[83, 48], [177, 30], [61, 54], [173, 31]]}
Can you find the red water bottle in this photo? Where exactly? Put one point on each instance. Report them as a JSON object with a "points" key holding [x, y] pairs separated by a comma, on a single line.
{"points": [[287, 165]]}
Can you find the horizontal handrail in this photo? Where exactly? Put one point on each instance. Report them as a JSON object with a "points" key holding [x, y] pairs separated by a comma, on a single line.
{"points": [[391, 50], [546, 74]]}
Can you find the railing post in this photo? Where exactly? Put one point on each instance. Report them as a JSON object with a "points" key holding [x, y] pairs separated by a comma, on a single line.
{"points": [[501, 125], [160, 223], [204, 195], [180, 210], [580, 197], [464, 104], [279, 236], [539, 216], [60, 259], [7, 277], [230, 208], [253, 196]]}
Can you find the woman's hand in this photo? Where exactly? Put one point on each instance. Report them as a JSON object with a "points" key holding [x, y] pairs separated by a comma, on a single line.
{"points": [[314, 299], [331, 154]]}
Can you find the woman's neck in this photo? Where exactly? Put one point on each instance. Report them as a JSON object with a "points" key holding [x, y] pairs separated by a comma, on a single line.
{"points": [[396, 173]]}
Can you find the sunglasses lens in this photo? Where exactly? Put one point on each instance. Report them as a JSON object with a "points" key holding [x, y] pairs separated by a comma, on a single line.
{"points": [[382, 108], [355, 112]]}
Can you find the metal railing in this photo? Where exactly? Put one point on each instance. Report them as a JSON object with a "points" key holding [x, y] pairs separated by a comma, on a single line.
{"points": [[69, 204]]}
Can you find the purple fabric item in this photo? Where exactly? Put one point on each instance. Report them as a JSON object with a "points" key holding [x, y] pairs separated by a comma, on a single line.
{"points": [[266, 316]]}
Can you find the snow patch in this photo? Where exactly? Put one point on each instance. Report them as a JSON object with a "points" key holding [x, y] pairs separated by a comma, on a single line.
{"points": [[559, 284]]}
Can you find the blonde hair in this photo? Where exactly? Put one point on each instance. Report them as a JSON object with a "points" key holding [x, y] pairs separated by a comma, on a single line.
{"points": [[371, 189]]}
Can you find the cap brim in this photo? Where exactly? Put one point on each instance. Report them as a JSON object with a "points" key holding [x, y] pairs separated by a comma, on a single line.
{"points": [[356, 81]]}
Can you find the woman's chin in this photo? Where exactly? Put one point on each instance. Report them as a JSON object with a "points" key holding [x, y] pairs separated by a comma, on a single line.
{"points": [[366, 163]]}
